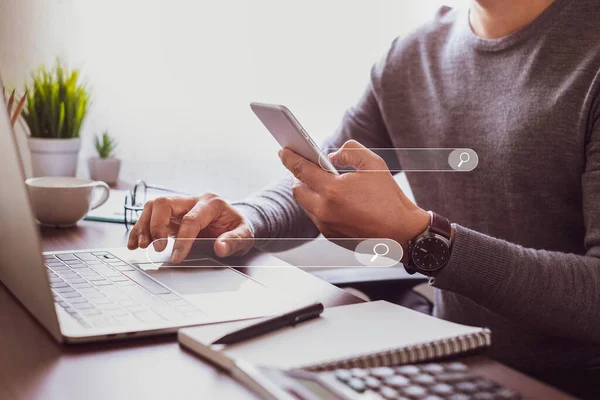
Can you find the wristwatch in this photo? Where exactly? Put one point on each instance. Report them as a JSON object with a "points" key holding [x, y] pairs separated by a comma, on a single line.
{"points": [[429, 252]]}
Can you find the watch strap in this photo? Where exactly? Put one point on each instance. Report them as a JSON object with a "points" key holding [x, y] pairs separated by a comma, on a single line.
{"points": [[440, 225]]}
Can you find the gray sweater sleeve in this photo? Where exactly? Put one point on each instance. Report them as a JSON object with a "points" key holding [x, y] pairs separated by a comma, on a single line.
{"points": [[546, 291], [273, 213]]}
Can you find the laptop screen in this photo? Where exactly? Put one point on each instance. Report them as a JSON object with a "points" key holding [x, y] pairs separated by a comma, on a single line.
{"points": [[22, 269]]}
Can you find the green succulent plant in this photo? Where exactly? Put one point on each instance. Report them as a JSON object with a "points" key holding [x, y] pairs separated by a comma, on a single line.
{"points": [[105, 145], [56, 103]]}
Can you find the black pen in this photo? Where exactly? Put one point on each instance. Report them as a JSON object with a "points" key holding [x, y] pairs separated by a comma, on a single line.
{"points": [[272, 324]]}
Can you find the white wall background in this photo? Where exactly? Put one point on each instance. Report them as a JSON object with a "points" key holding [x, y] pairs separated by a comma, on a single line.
{"points": [[172, 79]]}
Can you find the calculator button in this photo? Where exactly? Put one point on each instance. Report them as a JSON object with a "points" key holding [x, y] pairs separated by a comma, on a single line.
{"points": [[408, 370], [372, 383], [388, 393], [432, 368], [359, 372], [424, 379], [382, 372], [415, 392], [343, 375], [397, 381], [452, 377], [467, 387], [357, 384], [442, 389], [456, 367]]}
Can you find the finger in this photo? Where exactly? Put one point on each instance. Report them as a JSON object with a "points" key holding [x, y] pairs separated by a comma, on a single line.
{"points": [[237, 241], [160, 221], [306, 197], [198, 218], [140, 231], [132, 242], [355, 155], [311, 174], [144, 239]]}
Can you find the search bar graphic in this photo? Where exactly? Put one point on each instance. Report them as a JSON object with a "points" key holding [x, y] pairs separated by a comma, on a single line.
{"points": [[422, 159], [319, 253]]}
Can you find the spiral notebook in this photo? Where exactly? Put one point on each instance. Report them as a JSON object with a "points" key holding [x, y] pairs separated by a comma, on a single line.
{"points": [[359, 335]]}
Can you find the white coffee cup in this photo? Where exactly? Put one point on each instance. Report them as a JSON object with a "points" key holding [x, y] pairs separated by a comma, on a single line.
{"points": [[64, 201]]}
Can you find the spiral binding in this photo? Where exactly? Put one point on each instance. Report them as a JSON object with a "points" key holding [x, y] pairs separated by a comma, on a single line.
{"points": [[412, 354]]}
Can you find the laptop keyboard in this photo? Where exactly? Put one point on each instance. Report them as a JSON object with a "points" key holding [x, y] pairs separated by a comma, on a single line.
{"points": [[100, 290]]}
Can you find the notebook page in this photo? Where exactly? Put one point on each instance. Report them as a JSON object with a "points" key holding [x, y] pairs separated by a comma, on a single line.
{"points": [[342, 332]]}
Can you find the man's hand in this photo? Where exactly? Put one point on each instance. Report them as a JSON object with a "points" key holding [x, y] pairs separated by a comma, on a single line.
{"points": [[189, 217], [367, 203]]}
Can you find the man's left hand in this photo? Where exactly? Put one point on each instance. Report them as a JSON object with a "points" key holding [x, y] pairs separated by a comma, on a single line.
{"points": [[367, 203]]}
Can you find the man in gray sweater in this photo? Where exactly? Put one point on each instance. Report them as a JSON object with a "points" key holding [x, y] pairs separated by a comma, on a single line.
{"points": [[518, 82]]}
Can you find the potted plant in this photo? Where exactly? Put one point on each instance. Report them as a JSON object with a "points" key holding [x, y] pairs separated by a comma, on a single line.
{"points": [[105, 167], [56, 107]]}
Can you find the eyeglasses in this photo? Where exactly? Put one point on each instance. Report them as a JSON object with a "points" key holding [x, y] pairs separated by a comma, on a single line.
{"points": [[136, 199]]}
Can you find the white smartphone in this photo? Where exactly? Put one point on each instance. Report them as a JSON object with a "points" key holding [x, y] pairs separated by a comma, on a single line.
{"points": [[286, 129]]}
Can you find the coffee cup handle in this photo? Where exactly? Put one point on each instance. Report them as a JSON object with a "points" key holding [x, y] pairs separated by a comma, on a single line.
{"points": [[106, 192]]}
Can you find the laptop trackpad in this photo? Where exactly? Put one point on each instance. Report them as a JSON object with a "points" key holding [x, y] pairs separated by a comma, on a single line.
{"points": [[215, 290]]}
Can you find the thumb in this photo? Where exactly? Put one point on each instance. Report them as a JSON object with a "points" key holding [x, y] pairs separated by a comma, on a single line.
{"points": [[355, 155], [239, 240]]}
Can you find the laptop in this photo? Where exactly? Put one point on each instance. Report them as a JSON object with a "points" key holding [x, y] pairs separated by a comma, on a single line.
{"points": [[103, 294]]}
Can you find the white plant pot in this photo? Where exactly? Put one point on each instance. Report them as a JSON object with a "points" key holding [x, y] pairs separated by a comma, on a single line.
{"points": [[54, 157], [104, 169]]}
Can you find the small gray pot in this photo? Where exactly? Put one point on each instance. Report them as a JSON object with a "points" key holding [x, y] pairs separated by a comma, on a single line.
{"points": [[104, 169]]}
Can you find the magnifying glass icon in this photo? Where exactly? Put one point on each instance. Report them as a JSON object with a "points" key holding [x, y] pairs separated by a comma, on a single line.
{"points": [[384, 249], [464, 157]]}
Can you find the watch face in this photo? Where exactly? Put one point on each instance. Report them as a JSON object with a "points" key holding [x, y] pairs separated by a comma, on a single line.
{"points": [[430, 253]]}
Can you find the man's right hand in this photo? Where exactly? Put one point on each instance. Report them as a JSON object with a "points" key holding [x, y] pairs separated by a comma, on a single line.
{"points": [[189, 217]]}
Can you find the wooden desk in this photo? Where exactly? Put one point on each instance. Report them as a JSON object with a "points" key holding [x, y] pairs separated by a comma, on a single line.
{"points": [[33, 366]]}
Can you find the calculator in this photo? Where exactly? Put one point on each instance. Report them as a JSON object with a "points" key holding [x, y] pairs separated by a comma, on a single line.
{"points": [[431, 381]]}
